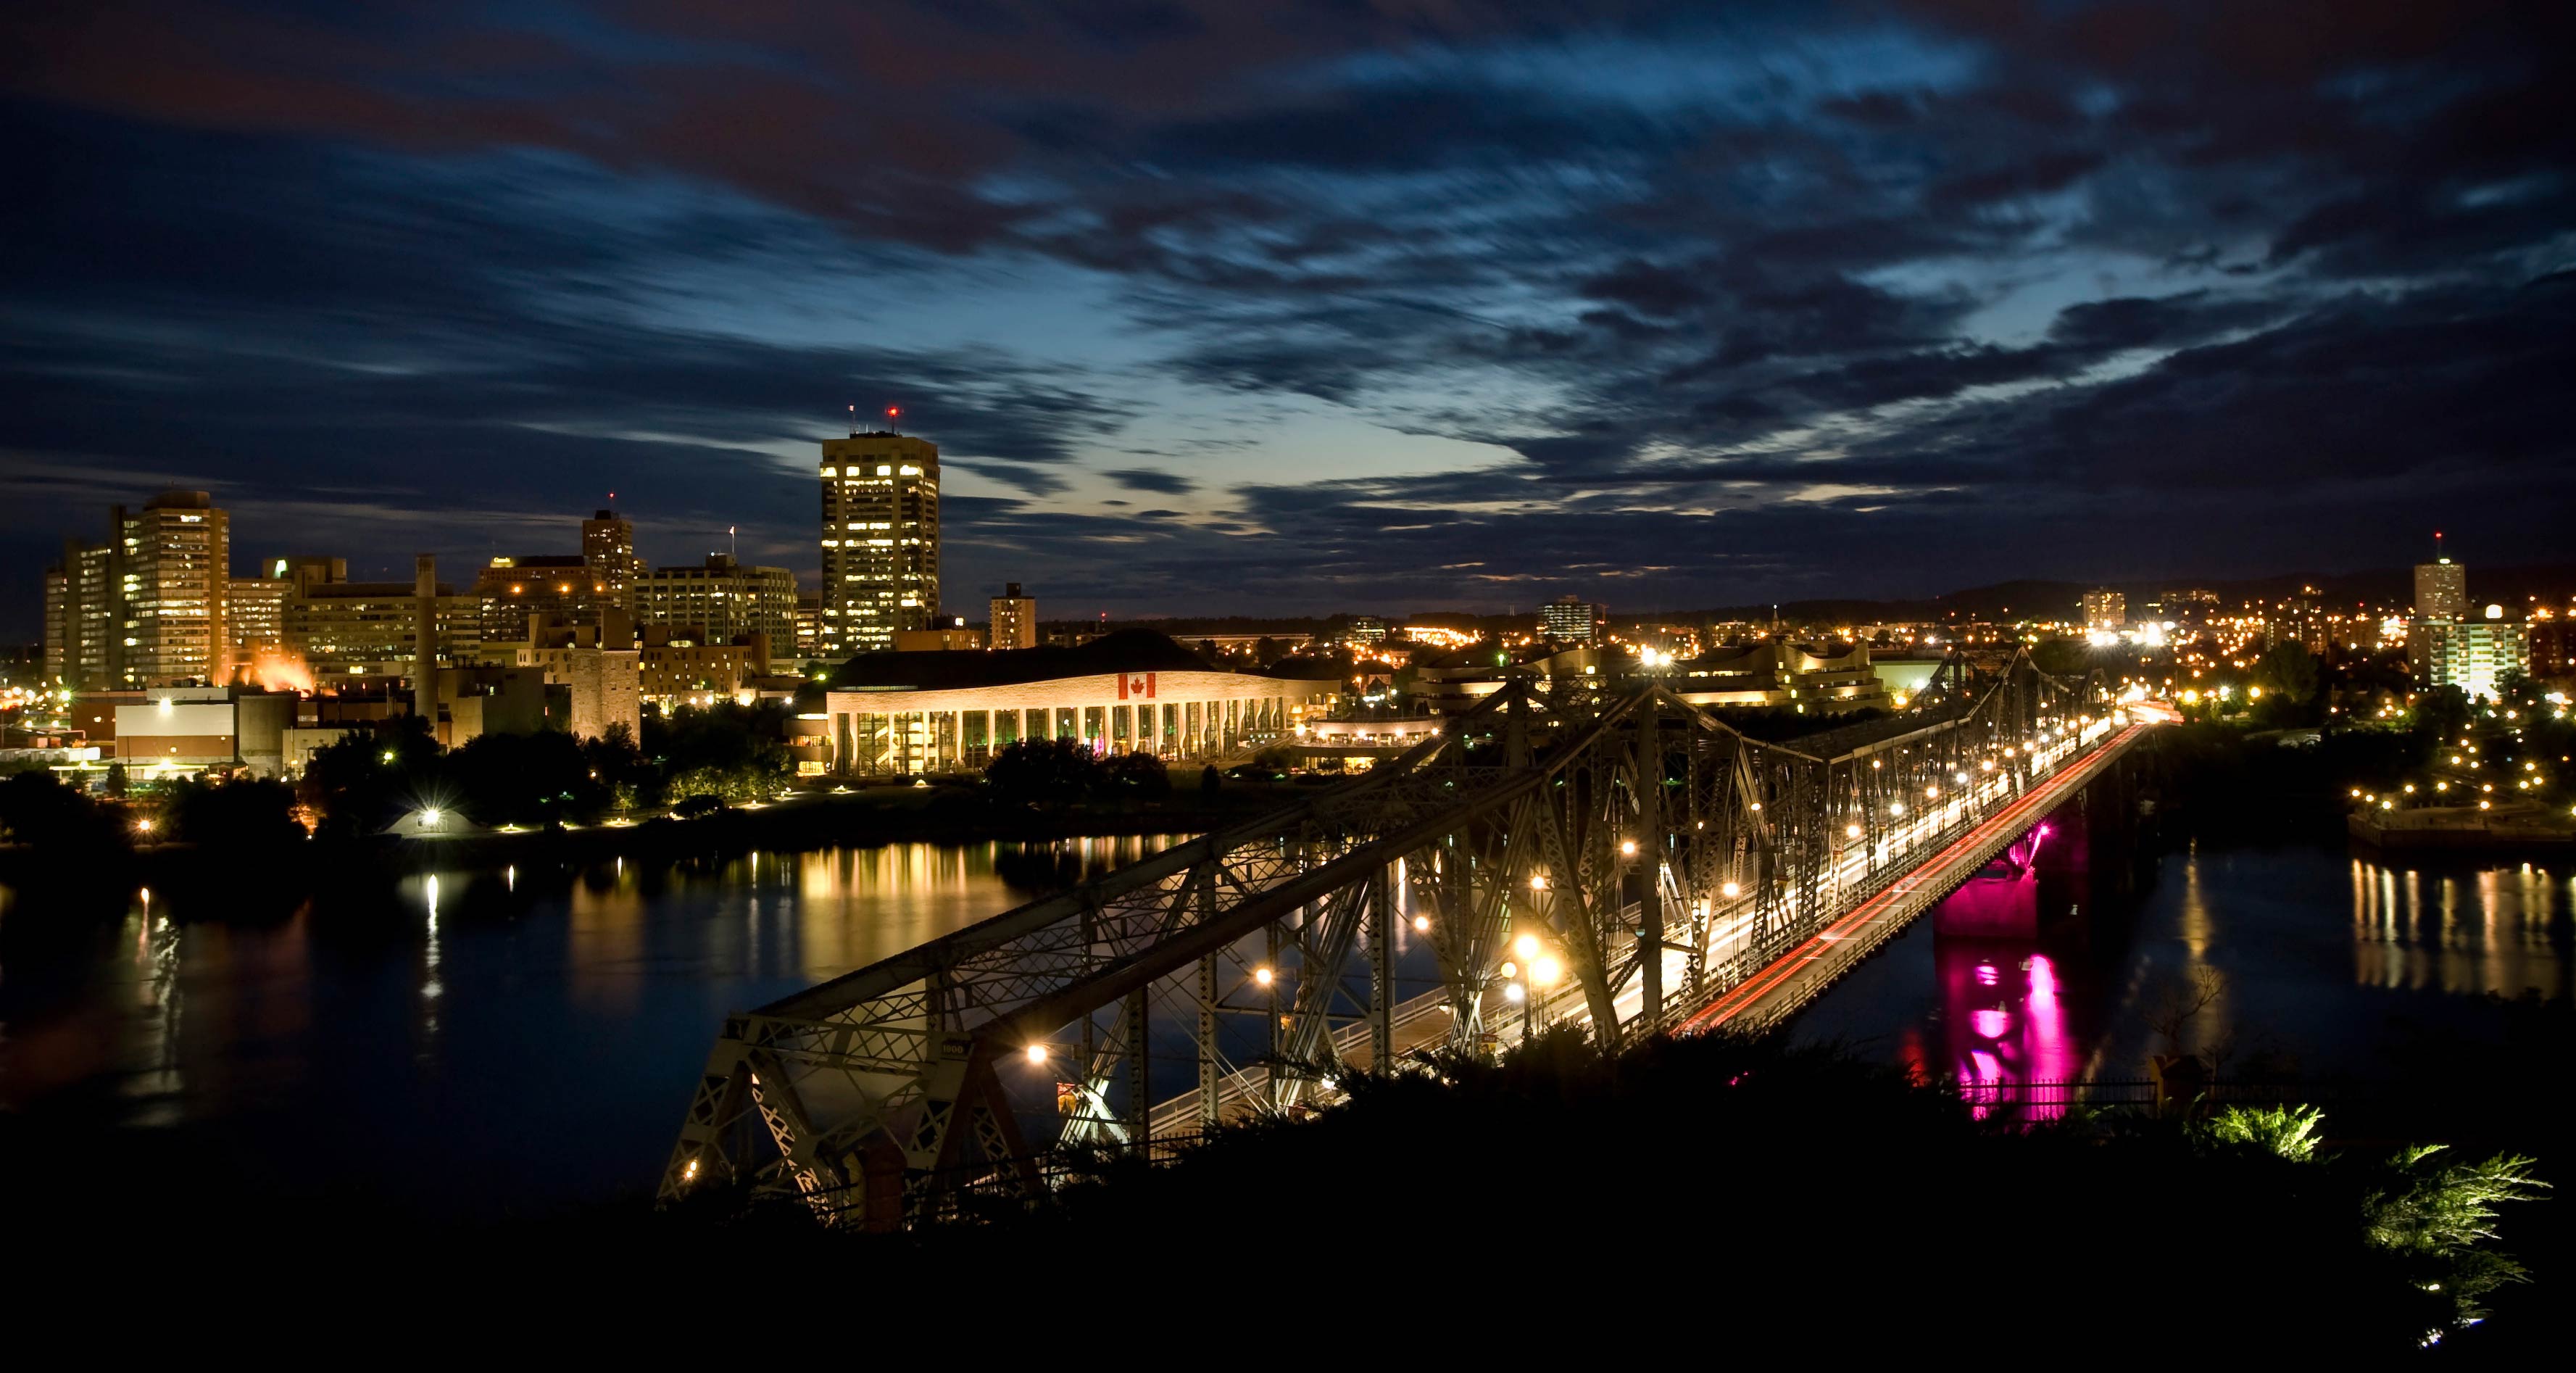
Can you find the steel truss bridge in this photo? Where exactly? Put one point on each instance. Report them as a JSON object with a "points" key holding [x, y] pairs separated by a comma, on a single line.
{"points": [[1568, 852]]}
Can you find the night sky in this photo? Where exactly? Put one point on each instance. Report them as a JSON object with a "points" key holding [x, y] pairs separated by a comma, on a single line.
{"points": [[1287, 308]]}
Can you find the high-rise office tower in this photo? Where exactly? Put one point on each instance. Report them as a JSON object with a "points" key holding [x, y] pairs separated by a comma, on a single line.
{"points": [[1570, 619], [255, 614], [2441, 590], [1015, 620], [809, 626], [608, 547], [173, 567], [880, 540], [80, 613]]}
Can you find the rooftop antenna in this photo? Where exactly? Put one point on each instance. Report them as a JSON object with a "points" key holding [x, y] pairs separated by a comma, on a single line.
{"points": [[733, 546], [854, 419], [2437, 547], [891, 412]]}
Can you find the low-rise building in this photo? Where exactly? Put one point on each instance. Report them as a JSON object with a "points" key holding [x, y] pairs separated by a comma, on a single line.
{"points": [[1130, 691], [190, 729], [955, 638], [1014, 621], [685, 665], [599, 665]]}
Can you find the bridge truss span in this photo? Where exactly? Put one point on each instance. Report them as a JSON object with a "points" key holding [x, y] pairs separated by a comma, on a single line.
{"points": [[1562, 852]]}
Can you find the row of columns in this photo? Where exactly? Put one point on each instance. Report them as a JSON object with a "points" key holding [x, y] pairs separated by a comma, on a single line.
{"points": [[914, 741]]}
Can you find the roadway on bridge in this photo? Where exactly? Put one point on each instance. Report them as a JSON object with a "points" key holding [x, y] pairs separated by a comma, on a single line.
{"points": [[1797, 976], [1780, 987]]}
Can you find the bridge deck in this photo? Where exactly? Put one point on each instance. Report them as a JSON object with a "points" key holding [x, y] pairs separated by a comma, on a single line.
{"points": [[1799, 976], [1768, 996]]}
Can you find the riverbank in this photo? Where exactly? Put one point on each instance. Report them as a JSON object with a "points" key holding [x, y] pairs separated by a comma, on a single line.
{"points": [[857, 818]]}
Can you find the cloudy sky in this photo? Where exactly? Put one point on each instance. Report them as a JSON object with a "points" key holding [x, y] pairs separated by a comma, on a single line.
{"points": [[1370, 304]]}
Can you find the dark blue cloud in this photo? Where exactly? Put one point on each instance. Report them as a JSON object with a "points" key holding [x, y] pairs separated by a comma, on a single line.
{"points": [[1443, 305]]}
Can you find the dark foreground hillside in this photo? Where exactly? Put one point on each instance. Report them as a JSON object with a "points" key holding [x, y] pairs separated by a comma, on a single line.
{"points": [[1707, 1195]]}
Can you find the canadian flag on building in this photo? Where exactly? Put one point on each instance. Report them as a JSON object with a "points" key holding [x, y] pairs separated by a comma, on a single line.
{"points": [[1136, 684]]}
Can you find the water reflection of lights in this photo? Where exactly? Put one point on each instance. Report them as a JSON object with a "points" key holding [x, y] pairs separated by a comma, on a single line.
{"points": [[2010, 1031], [430, 987]]}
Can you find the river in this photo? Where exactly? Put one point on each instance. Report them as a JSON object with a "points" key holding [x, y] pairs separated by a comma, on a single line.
{"points": [[496, 1043]]}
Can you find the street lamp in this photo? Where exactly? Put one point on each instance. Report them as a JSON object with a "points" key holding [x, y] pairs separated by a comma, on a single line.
{"points": [[1525, 992]]}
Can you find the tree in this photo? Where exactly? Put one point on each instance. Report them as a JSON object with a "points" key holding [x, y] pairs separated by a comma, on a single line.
{"points": [[1209, 781], [2289, 672], [360, 782], [2062, 657], [2441, 714], [1042, 772], [247, 814], [1137, 771], [37, 810]]}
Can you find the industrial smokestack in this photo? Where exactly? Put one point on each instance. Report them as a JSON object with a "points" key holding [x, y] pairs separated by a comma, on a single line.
{"points": [[424, 661]]}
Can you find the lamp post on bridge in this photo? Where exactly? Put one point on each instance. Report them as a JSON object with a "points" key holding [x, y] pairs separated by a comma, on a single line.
{"points": [[1530, 982]]}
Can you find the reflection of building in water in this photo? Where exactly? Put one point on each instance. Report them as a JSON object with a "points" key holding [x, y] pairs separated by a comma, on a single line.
{"points": [[2465, 934]]}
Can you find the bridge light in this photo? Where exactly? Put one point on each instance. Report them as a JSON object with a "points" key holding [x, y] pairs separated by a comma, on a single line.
{"points": [[1896, 808], [1509, 968], [1728, 889], [1422, 922], [1931, 791], [1544, 971], [1851, 831], [1038, 1052], [1514, 994], [1627, 848], [1262, 976], [1538, 882], [1526, 945]]}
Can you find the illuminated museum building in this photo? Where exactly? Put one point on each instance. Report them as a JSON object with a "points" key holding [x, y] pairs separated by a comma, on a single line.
{"points": [[1133, 691]]}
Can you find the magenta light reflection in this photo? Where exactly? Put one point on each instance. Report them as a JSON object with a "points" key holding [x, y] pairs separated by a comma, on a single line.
{"points": [[1991, 1021], [2045, 1033]]}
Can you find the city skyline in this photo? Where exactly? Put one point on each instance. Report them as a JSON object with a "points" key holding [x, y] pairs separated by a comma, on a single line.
{"points": [[1246, 310]]}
